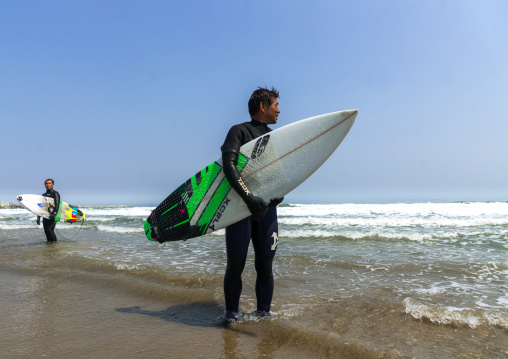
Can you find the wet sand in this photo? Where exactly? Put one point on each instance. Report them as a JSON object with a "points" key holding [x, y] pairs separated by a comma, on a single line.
{"points": [[57, 317]]}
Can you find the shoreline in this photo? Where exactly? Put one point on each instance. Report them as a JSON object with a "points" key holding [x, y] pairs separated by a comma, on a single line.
{"points": [[56, 316]]}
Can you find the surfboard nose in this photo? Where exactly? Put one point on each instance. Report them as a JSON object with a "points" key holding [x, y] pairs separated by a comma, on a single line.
{"points": [[347, 119], [350, 114], [351, 118]]}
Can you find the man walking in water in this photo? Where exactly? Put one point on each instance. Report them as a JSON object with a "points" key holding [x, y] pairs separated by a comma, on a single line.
{"points": [[50, 224], [262, 225]]}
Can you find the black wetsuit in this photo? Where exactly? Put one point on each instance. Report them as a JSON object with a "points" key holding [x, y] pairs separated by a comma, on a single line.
{"points": [[262, 228], [49, 224]]}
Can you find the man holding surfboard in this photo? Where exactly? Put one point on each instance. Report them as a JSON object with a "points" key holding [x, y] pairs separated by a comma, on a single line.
{"points": [[262, 225], [50, 224]]}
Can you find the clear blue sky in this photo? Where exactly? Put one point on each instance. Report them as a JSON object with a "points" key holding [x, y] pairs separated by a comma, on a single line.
{"points": [[121, 101]]}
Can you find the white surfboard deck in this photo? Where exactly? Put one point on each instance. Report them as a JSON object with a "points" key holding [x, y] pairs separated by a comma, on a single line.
{"points": [[293, 153]]}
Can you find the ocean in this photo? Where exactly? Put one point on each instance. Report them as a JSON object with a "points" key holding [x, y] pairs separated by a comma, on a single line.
{"points": [[402, 280]]}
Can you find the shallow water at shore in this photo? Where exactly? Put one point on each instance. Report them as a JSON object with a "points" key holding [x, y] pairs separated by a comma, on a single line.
{"points": [[400, 280]]}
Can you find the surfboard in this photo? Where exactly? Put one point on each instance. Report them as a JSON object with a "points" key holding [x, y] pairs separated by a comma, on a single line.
{"points": [[42, 206], [271, 165]]}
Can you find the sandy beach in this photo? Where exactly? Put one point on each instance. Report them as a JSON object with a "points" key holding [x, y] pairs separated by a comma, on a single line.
{"points": [[66, 317]]}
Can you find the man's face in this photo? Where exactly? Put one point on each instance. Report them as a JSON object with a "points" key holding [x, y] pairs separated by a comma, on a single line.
{"points": [[272, 112], [48, 185]]}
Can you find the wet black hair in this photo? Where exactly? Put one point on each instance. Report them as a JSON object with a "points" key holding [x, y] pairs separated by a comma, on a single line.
{"points": [[262, 95]]}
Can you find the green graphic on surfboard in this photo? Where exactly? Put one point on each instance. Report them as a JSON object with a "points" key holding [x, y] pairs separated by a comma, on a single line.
{"points": [[190, 210], [271, 166]]}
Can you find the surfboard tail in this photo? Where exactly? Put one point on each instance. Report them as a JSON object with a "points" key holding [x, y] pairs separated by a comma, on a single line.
{"points": [[150, 230]]}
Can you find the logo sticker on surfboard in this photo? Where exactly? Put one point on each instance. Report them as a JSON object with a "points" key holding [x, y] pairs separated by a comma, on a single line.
{"points": [[260, 146]]}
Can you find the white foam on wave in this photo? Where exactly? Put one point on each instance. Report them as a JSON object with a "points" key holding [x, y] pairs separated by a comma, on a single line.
{"points": [[102, 219], [503, 301], [448, 315], [13, 226], [491, 272], [12, 211], [220, 232], [127, 266], [445, 287], [454, 316], [444, 222], [399, 221], [328, 233], [398, 215], [118, 212], [465, 209], [113, 229]]}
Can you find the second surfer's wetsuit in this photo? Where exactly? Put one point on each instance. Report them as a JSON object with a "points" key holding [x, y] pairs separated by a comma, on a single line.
{"points": [[261, 227], [50, 224]]}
